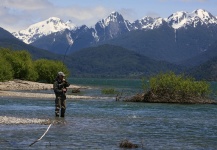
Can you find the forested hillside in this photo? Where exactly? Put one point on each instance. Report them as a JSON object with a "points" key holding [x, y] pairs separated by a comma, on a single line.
{"points": [[109, 60]]}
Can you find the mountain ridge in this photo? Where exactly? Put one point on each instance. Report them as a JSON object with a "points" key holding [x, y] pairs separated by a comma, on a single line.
{"points": [[179, 37], [132, 68], [176, 20], [115, 61], [7, 40]]}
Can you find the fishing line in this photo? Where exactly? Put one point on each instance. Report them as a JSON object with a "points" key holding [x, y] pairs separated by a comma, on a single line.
{"points": [[66, 53], [71, 41], [41, 136]]}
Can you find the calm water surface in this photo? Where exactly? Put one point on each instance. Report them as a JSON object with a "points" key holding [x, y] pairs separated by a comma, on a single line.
{"points": [[103, 124]]}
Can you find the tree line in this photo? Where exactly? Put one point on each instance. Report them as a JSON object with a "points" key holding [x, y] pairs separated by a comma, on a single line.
{"points": [[20, 65]]}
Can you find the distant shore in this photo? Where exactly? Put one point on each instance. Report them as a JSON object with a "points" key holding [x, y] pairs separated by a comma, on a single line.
{"points": [[22, 88]]}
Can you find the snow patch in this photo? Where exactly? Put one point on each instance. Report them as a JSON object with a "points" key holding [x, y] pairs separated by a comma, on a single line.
{"points": [[94, 34], [69, 39]]}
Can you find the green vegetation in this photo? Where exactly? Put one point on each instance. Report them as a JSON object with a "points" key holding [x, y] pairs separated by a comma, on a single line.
{"points": [[171, 88], [47, 69], [115, 61], [19, 65], [109, 91], [178, 86], [207, 70], [6, 72]]}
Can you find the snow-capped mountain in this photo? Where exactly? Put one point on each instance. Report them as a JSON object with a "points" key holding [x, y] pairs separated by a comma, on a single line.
{"points": [[115, 25], [113, 18], [198, 17], [112, 26], [194, 32], [148, 23], [144, 23], [43, 28]]}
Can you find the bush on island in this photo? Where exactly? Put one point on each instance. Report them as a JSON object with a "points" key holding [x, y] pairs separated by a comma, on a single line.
{"points": [[172, 88], [176, 86]]}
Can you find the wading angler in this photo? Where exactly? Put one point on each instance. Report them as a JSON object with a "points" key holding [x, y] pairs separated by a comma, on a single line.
{"points": [[60, 88]]}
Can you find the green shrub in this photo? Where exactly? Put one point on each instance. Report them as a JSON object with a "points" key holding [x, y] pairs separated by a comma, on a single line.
{"points": [[23, 66], [178, 86], [47, 69], [6, 72], [109, 91], [21, 63]]}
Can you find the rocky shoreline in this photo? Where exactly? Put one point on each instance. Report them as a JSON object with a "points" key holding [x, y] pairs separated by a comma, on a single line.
{"points": [[150, 97], [23, 85], [29, 89]]}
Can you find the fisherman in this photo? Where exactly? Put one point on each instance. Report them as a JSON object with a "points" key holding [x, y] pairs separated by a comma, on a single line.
{"points": [[60, 88]]}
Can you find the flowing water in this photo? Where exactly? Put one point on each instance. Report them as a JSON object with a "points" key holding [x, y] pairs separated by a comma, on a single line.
{"points": [[104, 123]]}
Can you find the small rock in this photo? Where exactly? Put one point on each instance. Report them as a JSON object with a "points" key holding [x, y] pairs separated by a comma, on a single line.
{"points": [[127, 144], [76, 91]]}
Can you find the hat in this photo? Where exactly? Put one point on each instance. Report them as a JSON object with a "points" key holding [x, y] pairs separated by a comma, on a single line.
{"points": [[61, 74]]}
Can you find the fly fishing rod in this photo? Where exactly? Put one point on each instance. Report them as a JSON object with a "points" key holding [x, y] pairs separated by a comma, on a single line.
{"points": [[70, 42], [66, 52]]}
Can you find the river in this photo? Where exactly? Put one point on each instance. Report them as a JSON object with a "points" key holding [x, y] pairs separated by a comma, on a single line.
{"points": [[104, 123]]}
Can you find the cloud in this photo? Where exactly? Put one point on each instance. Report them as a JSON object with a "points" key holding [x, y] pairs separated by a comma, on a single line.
{"points": [[19, 14], [185, 0], [25, 4], [78, 13], [194, 0]]}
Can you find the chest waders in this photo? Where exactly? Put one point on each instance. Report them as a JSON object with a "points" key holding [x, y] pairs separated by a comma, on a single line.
{"points": [[60, 105], [60, 100]]}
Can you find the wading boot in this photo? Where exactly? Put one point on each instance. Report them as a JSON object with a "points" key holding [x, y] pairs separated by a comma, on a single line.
{"points": [[57, 114]]}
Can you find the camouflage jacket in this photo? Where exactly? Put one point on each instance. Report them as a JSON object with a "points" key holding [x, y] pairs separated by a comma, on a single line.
{"points": [[58, 87]]}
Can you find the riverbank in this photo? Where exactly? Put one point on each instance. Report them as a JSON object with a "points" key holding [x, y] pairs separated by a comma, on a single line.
{"points": [[150, 97], [29, 89]]}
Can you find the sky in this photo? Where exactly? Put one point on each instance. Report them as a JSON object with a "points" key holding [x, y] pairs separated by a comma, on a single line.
{"points": [[17, 15]]}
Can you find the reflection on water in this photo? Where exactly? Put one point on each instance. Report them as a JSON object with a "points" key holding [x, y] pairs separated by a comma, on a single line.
{"points": [[99, 124]]}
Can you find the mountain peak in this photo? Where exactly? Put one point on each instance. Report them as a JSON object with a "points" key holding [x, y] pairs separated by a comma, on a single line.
{"points": [[177, 19], [201, 12], [183, 19], [43, 28], [53, 19], [147, 23], [113, 17], [205, 16], [115, 14]]}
